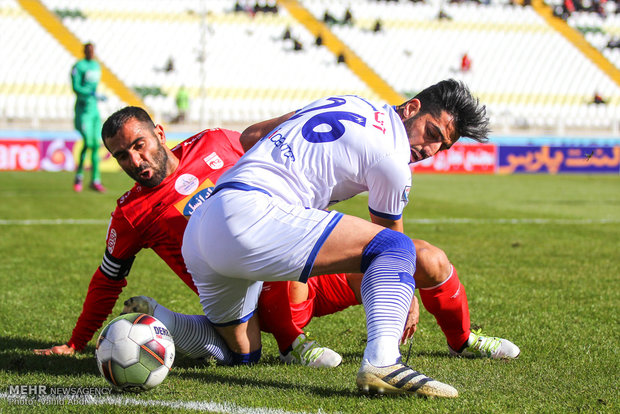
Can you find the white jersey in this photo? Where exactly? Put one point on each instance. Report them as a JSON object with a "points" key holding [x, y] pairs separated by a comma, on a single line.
{"points": [[332, 150]]}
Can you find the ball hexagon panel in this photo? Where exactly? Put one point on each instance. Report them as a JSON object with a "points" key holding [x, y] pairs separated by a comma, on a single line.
{"points": [[125, 352]]}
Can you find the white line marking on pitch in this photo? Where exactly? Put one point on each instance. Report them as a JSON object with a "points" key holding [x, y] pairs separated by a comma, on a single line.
{"points": [[56, 222], [511, 221], [51, 222], [208, 406]]}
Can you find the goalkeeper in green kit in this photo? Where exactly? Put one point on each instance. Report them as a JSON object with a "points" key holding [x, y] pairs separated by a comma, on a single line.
{"points": [[85, 76]]}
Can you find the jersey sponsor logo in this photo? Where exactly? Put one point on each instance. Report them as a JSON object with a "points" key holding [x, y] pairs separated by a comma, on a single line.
{"points": [[196, 201], [279, 141], [379, 123], [406, 191], [186, 184], [111, 240], [189, 204], [214, 161]]}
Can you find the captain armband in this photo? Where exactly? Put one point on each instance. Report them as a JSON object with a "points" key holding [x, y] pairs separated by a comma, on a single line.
{"points": [[115, 269]]}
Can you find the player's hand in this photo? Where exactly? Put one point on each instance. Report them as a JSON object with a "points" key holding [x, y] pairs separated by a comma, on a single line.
{"points": [[413, 318], [56, 350]]}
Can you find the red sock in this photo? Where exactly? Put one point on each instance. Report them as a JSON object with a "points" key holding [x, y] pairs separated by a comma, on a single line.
{"points": [[448, 303], [274, 312]]}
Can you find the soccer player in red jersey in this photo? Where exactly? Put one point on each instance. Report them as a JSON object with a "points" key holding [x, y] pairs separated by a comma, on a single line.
{"points": [[170, 184]]}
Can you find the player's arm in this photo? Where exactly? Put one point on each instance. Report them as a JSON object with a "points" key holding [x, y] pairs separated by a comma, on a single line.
{"points": [[252, 134], [388, 182], [100, 300], [396, 225], [104, 289]]}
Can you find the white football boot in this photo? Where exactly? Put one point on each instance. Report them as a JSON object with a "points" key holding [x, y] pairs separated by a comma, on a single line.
{"points": [[481, 346], [400, 379], [306, 351]]}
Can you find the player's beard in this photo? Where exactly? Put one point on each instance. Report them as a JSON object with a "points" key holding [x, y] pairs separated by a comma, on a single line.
{"points": [[159, 167]]}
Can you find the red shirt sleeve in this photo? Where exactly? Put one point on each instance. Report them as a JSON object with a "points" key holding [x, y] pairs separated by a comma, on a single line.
{"points": [[108, 281], [100, 300]]}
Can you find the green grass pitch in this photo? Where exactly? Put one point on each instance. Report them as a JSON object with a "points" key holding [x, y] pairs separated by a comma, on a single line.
{"points": [[538, 254]]}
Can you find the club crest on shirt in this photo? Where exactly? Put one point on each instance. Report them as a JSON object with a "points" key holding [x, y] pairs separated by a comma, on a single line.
{"points": [[186, 184], [214, 161], [406, 191]]}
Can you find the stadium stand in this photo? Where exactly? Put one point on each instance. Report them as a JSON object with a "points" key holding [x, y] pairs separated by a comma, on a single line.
{"points": [[526, 72], [238, 66], [250, 72]]}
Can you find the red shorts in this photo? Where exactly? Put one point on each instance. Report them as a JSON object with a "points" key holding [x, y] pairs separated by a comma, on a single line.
{"points": [[327, 294]]}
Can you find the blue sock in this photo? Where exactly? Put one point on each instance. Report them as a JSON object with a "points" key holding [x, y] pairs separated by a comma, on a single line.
{"points": [[246, 359], [388, 264]]}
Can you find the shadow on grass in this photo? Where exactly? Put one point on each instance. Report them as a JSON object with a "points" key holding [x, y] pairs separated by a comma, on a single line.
{"points": [[229, 375], [352, 356], [17, 356]]}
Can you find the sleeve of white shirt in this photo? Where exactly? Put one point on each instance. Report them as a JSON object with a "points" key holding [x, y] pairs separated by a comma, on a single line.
{"points": [[389, 182]]}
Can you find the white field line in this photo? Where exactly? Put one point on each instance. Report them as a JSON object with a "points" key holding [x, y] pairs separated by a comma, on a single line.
{"points": [[56, 222], [84, 400], [51, 222], [511, 221]]}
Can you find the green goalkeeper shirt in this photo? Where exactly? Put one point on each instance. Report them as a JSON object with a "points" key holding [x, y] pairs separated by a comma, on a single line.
{"points": [[85, 76]]}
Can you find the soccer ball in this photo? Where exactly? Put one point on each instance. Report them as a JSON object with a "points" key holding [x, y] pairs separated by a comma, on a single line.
{"points": [[135, 352]]}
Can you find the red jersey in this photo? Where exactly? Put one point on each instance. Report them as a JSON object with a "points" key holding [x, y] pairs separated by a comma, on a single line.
{"points": [[156, 218]]}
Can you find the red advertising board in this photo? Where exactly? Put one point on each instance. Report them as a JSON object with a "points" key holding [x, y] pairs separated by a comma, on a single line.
{"points": [[20, 154], [470, 159]]}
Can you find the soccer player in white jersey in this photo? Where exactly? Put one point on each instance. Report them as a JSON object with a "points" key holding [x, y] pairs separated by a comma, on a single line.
{"points": [[266, 219]]}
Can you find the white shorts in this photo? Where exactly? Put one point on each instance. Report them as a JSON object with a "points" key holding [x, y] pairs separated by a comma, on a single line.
{"points": [[237, 239]]}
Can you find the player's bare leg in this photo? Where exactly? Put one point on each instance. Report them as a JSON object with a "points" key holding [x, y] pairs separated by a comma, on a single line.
{"points": [[243, 339], [297, 292]]}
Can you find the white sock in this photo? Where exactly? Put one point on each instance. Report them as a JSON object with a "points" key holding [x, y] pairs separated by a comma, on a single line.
{"points": [[387, 289], [193, 335]]}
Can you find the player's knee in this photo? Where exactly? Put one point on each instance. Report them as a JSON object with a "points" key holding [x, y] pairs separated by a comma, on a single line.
{"points": [[432, 264], [388, 241]]}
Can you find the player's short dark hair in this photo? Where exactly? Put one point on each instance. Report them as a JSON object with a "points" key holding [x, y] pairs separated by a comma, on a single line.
{"points": [[120, 117], [470, 118]]}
